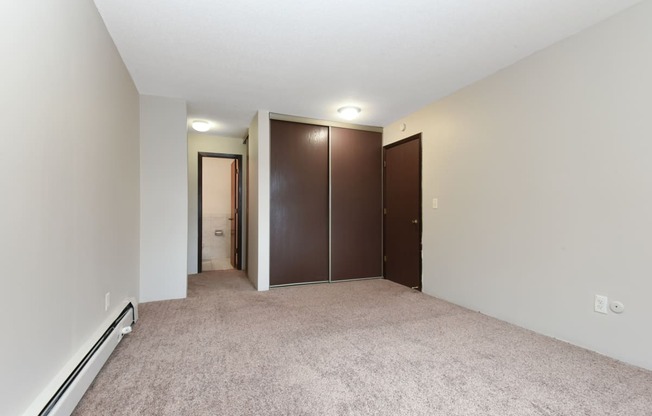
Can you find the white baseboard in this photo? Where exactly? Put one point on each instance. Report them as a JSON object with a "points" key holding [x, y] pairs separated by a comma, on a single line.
{"points": [[64, 392]]}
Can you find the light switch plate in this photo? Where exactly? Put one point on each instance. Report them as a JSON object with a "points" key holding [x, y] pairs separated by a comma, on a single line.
{"points": [[435, 203]]}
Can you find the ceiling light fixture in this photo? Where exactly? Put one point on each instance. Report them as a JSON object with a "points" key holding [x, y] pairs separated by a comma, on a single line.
{"points": [[349, 112], [201, 125]]}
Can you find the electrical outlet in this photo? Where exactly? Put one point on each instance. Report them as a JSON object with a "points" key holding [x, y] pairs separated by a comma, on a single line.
{"points": [[601, 304], [107, 301]]}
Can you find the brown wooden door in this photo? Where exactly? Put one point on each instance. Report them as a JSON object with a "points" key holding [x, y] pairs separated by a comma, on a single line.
{"points": [[402, 219], [356, 204], [234, 214], [298, 203]]}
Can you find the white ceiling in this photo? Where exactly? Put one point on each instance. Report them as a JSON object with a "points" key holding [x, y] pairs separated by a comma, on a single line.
{"points": [[307, 58]]}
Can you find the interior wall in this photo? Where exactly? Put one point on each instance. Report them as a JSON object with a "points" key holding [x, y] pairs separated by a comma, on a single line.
{"points": [[163, 203], [216, 189], [258, 147], [544, 184], [203, 142], [69, 181]]}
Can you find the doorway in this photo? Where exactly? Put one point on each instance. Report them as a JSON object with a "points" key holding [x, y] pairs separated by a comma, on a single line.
{"points": [[402, 212], [219, 212]]}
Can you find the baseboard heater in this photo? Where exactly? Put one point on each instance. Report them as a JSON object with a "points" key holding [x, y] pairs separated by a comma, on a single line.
{"points": [[66, 398]]}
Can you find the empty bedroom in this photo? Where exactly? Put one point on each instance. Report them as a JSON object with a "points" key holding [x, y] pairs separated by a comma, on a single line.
{"points": [[326, 208]]}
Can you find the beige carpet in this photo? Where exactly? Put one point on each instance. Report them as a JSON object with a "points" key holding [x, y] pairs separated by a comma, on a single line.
{"points": [[355, 348]]}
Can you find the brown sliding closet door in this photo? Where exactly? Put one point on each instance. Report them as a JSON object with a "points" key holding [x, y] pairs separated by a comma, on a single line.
{"points": [[299, 203], [356, 204]]}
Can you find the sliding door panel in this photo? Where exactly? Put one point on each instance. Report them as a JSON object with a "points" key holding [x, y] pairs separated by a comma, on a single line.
{"points": [[356, 204], [299, 203]]}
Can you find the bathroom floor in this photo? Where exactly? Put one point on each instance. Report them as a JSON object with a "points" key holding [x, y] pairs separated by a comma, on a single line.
{"points": [[216, 264]]}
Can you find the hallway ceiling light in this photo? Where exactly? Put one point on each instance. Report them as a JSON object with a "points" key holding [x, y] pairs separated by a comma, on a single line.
{"points": [[201, 126], [349, 112]]}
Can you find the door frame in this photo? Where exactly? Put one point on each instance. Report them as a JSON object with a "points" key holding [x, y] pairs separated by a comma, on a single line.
{"points": [[420, 217], [200, 156]]}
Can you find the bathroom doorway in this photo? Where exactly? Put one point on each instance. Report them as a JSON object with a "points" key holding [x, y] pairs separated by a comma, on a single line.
{"points": [[219, 216]]}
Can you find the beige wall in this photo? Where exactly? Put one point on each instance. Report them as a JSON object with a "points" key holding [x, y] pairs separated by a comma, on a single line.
{"points": [[203, 142], [258, 147], [216, 188], [163, 207], [70, 193], [544, 182]]}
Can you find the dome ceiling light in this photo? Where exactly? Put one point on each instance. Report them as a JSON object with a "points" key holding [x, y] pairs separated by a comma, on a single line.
{"points": [[349, 112], [201, 125]]}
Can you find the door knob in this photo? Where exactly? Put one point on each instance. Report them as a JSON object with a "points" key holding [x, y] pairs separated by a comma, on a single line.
{"points": [[415, 221]]}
